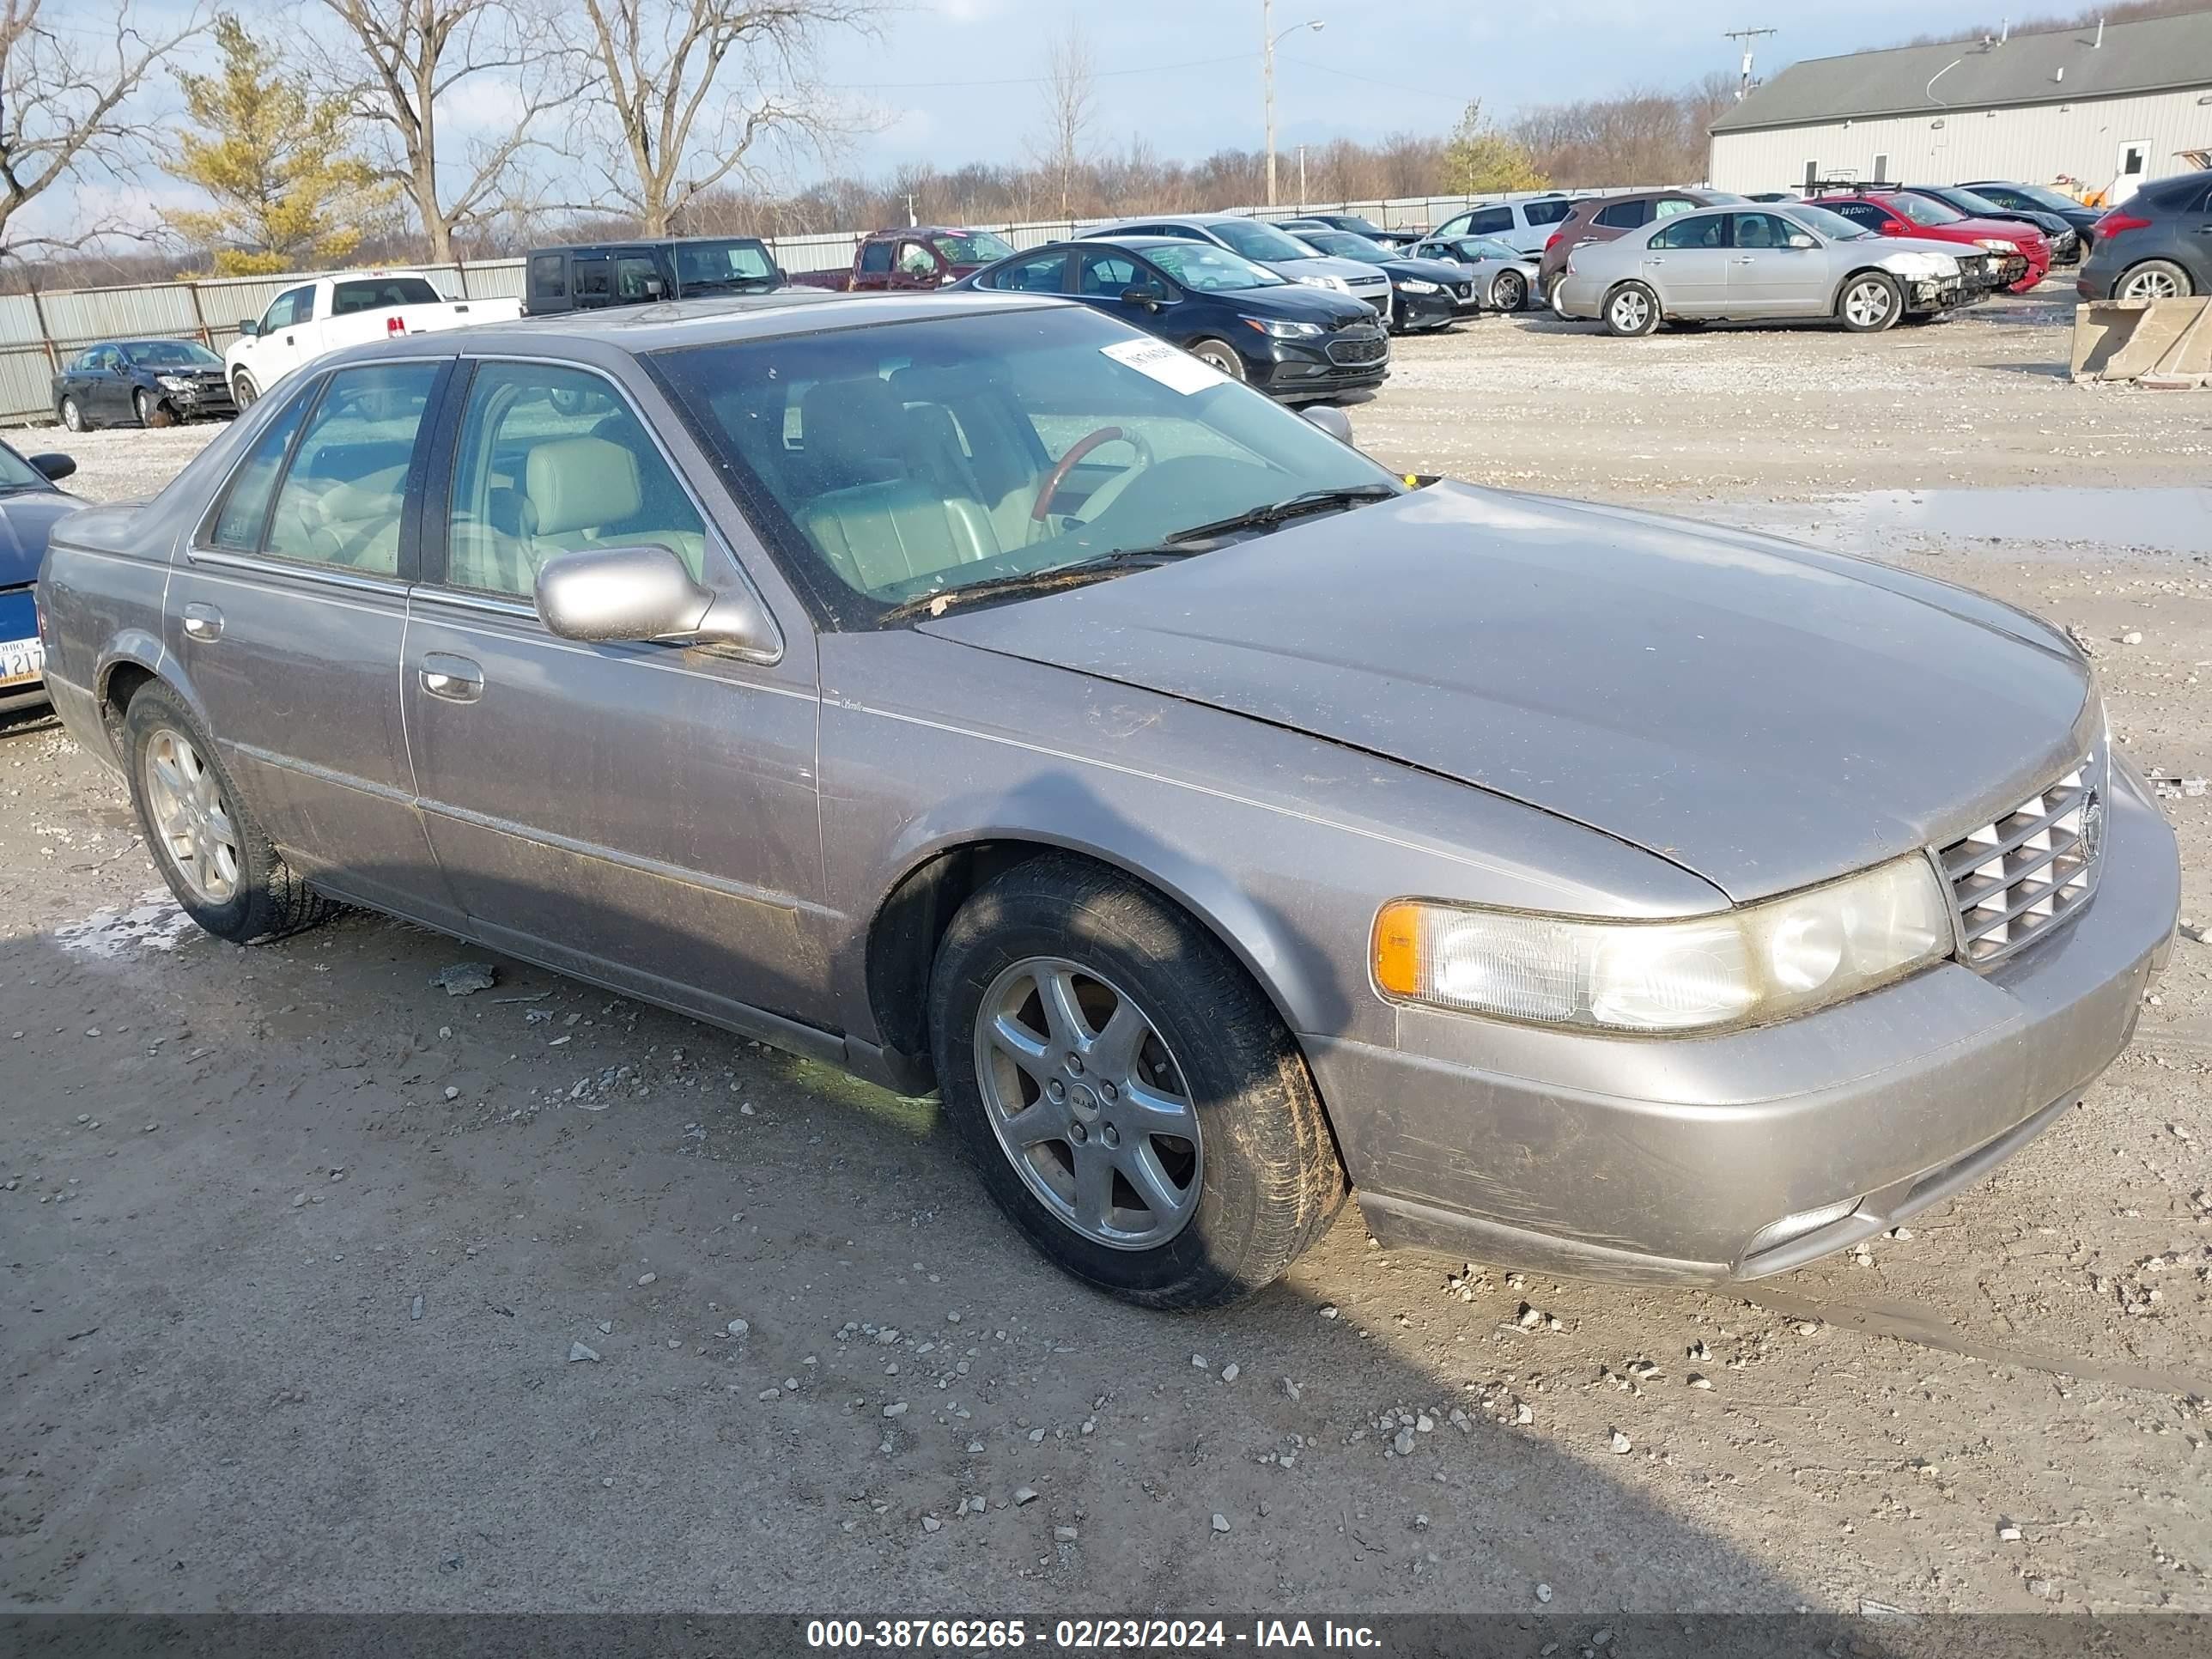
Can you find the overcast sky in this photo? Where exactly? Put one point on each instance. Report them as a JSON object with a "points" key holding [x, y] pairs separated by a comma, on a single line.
{"points": [[1185, 73]]}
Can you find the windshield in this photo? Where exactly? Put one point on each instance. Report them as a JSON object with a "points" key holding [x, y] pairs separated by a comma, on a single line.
{"points": [[17, 473], [2050, 200], [1211, 269], [915, 458], [1925, 210], [1484, 247], [171, 354], [975, 247], [1344, 245], [1973, 206], [1258, 241], [719, 264], [1833, 226]]}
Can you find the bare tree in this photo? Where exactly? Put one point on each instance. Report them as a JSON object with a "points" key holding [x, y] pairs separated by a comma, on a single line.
{"points": [[421, 58], [69, 92], [1071, 103], [694, 91]]}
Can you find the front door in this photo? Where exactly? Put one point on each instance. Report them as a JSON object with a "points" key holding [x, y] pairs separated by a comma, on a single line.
{"points": [[107, 388], [277, 349], [1771, 274], [1105, 276], [287, 616], [642, 814]]}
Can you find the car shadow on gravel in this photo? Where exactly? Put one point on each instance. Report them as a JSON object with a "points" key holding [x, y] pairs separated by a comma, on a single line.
{"points": [[329, 1294]]}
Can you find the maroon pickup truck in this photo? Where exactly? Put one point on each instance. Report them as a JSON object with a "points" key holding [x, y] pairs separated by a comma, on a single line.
{"points": [[922, 256]]}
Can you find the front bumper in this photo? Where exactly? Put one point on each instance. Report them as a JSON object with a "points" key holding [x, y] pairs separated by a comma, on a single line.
{"points": [[1734, 1157], [1420, 311], [1924, 294], [199, 402], [1296, 370]]}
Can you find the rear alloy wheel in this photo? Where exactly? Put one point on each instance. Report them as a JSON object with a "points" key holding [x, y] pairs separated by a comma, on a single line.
{"points": [[1222, 356], [1126, 1095], [73, 416], [243, 391], [224, 872], [1552, 293], [1870, 303], [1630, 310], [1509, 292], [2153, 279]]}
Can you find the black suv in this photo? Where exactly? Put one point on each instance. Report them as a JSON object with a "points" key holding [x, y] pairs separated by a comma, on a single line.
{"points": [[2157, 244], [591, 275]]}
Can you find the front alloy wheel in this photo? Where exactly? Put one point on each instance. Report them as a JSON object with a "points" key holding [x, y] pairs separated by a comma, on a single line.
{"points": [[1509, 292]]}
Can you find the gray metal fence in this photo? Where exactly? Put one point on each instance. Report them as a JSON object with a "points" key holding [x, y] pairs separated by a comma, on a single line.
{"points": [[39, 330]]}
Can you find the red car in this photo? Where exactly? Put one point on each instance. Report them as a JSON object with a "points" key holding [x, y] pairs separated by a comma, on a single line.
{"points": [[2022, 251], [921, 256]]}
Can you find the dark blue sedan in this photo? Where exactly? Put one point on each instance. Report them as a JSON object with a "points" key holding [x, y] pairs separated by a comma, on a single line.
{"points": [[148, 382], [29, 504], [1295, 341]]}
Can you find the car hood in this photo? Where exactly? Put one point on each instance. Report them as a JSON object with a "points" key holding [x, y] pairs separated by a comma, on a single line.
{"points": [[1352, 270], [25, 521], [1426, 270], [1299, 302], [1764, 714]]}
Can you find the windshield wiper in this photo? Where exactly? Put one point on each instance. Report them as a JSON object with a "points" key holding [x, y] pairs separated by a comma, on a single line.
{"points": [[1282, 512], [1076, 574]]}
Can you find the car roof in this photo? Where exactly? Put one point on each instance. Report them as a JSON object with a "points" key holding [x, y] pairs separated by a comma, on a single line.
{"points": [[636, 241]]}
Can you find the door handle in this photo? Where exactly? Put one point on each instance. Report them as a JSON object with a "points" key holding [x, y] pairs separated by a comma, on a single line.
{"points": [[203, 622], [454, 678]]}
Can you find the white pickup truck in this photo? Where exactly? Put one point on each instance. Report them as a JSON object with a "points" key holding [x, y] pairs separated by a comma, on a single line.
{"points": [[352, 306]]}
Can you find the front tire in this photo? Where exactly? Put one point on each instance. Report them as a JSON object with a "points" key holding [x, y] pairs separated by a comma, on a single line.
{"points": [[243, 391], [1508, 291], [1631, 310], [1128, 1097], [2153, 279], [151, 411], [72, 414], [1220, 355], [224, 870], [1870, 303]]}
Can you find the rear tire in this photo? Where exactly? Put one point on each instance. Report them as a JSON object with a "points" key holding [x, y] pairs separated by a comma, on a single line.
{"points": [[1631, 310], [224, 870], [1222, 356], [73, 415], [1870, 303], [243, 391], [1235, 1201], [2153, 279], [1552, 293]]}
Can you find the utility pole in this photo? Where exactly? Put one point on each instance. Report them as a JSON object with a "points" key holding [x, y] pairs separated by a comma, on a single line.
{"points": [[1302, 175], [1268, 40], [1748, 36]]}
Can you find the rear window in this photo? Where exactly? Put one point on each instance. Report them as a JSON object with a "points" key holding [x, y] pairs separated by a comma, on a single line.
{"points": [[1489, 222], [1624, 215], [1545, 213], [549, 278], [2180, 195], [378, 293]]}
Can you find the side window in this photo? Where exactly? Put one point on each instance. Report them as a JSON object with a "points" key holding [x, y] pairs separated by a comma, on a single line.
{"points": [[1625, 215], [1045, 273], [1489, 222], [1673, 206], [245, 507], [1693, 233], [279, 314], [549, 277], [1760, 230], [303, 305], [876, 259], [916, 260], [552, 461], [637, 278], [1547, 213], [594, 280], [341, 495], [1108, 276]]}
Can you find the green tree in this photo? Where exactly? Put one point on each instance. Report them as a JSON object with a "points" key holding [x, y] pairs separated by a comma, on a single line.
{"points": [[1480, 160], [288, 192]]}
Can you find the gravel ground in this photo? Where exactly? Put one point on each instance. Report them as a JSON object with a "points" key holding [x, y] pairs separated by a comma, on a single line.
{"points": [[328, 1291]]}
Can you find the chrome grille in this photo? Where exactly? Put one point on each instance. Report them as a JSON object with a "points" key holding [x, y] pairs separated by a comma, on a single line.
{"points": [[2015, 879]]}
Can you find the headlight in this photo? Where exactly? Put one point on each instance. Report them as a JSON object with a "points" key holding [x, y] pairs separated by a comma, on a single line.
{"points": [[1415, 285], [1336, 282], [1997, 245], [174, 382], [1742, 967], [1282, 331]]}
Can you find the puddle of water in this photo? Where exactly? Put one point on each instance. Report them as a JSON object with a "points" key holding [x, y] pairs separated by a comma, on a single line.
{"points": [[153, 923], [2027, 523]]}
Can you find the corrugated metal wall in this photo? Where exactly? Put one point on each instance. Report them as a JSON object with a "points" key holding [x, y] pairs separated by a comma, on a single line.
{"points": [[2035, 145], [38, 331]]}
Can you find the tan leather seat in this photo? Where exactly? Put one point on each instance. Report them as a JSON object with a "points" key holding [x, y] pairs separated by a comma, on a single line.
{"points": [[883, 514], [577, 487]]}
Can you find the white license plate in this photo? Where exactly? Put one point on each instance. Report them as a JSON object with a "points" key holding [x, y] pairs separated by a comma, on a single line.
{"points": [[21, 660]]}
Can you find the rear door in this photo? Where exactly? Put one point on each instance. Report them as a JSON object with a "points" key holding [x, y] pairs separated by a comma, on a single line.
{"points": [[1687, 263], [591, 281], [287, 616], [548, 284], [643, 814]]}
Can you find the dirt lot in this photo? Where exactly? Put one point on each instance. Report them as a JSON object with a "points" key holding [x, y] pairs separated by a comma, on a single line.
{"points": [[298, 1246]]}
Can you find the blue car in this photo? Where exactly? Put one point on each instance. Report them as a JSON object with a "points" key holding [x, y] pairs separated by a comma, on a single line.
{"points": [[29, 504], [1296, 341]]}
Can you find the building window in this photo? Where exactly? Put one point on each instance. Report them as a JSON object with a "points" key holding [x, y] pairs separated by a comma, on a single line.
{"points": [[1881, 169], [1812, 174]]}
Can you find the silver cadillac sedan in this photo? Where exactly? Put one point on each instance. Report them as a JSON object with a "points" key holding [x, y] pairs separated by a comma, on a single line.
{"points": [[979, 695]]}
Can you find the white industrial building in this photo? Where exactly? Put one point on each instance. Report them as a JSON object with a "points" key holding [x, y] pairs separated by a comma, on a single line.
{"points": [[2107, 108]]}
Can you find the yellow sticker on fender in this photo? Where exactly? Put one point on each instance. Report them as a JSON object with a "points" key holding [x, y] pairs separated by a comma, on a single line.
{"points": [[1173, 367]]}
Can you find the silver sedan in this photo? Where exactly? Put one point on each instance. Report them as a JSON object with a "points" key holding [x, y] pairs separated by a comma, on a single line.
{"points": [[1777, 263], [974, 692], [1503, 277]]}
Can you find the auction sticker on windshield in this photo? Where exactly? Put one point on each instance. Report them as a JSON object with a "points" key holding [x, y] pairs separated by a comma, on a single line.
{"points": [[1173, 367]]}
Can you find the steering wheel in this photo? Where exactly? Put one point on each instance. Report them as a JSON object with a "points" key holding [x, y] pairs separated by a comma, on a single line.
{"points": [[1039, 526]]}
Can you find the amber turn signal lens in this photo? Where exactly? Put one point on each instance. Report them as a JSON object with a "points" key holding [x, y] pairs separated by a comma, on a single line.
{"points": [[1398, 949]]}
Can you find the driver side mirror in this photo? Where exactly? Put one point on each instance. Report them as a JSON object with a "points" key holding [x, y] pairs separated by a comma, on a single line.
{"points": [[649, 593], [1332, 420], [51, 467], [1149, 298], [1799, 239], [248, 327]]}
